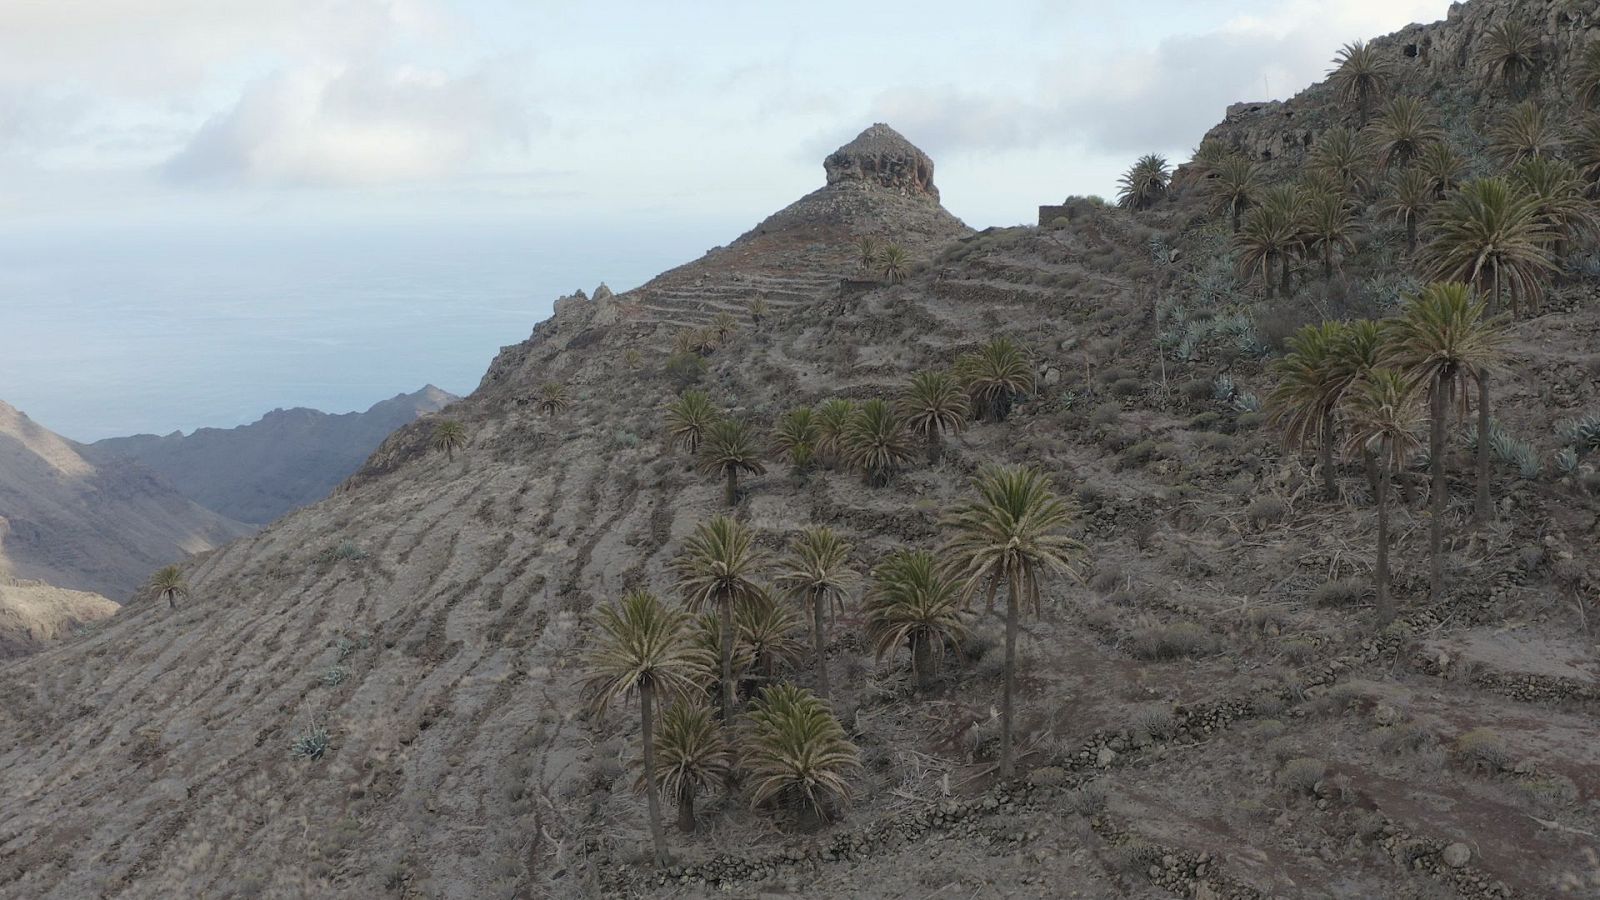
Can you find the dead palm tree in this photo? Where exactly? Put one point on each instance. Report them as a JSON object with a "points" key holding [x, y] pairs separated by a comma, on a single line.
{"points": [[996, 375], [876, 443], [1488, 234], [449, 436], [1443, 341], [169, 585], [730, 448], [796, 752], [643, 647], [716, 572], [688, 419], [894, 263], [817, 572], [1329, 226], [1524, 133], [1383, 419], [1509, 53], [692, 756], [1404, 130], [1011, 534], [1557, 192], [1144, 184], [913, 604], [796, 437], [1234, 186], [1340, 157], [1359, 75], [833, 418], [553, 399], [1409, 198], [1443, 166], [1302, 404], [933, 404]]}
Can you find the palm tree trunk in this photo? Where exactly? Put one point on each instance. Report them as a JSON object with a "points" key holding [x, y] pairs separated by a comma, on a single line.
{"points": [[935, 444], [1266, 276], [727, 660], [1327, 261], [1436, 462], [922, 662], [1285, 287], [1385, 607], [1007, 766], [731, 493], [1370, 464], [1484, 511], [1235, 206], [686, 821], [1411, 235], [819, 641], [658, 833], [1330, 485]]}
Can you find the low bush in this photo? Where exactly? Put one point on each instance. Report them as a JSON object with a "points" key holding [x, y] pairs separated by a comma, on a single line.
{"points": [[1180, 639], [1301, 775]]}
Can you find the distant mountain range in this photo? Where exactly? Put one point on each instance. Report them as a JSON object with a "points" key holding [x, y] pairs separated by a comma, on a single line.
{"points": [[287, 459]]}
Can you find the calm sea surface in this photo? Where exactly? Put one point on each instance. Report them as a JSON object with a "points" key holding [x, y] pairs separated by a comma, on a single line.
{"points": [[113, 334]]}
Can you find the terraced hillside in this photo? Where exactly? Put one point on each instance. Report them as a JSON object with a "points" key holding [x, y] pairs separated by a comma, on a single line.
{"points": [[1209, 713]]}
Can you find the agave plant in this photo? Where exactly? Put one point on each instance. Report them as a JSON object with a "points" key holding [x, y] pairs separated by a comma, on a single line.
{"points": [[796, 752], [553, 399], [729, 449], [312, 743], [876, 443], [1144, 184], [912, 604], [1408, 200], [996, 375], [894, 263], [449, 436], [797, 436], [1359, 75], [692, 757], [688, 418], [1526, 132], [833, 418], [934, 404], [1234, 186], [817, 572], [1581, 434], [1488, 234], [1340, 157], [168, 584], [1509, 52], [1404, 130], [771, 631]]}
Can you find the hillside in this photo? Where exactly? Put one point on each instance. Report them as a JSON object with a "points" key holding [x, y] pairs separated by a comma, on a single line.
{"points": [[99, 526], [33, 613], [289, 457], [1209, 713]]}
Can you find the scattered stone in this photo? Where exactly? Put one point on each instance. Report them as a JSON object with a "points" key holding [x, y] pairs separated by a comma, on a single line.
{"points": [[1456, 855]]}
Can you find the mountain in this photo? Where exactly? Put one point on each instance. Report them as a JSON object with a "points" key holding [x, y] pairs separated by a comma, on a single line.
{"points": [[289, 457], [101, 525], [1209, 712], [33, 614]]}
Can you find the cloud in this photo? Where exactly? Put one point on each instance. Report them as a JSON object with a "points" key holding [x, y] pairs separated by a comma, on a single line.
{"points": [[357, 125]]}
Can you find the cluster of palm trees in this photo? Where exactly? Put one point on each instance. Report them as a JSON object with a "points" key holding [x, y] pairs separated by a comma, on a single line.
{"points": [[875, 438], [735, 638], [888, 261], [1369, 388]]}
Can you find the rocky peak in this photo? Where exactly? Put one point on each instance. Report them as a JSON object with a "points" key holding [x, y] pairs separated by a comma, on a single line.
{"points": [[882, 156]]}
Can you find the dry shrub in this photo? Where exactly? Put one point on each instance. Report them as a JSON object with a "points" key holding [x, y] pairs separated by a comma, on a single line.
{"points": [[1339, 593], [1482, 749], [1301, 775], [1265, 510], [1180, 639]]}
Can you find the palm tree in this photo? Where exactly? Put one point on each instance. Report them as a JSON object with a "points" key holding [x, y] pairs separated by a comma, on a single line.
{"points": [[1359, 348], [1302, 403], [724, 326], [1524, 133], [1586, 76], [833, 418], [1409, 198], [913, 604], [1234, 186], [1384, 418], [1359, 75], [876, 443], [866, 253], [768, 628], [1144, 184], [689, 418], [817, 572], [1271, 233], [796, 436], [716, 571], [692, 756], [1489, 234], [758, 311], [1402, 132], [169, 585], [796, 752], [996, 374], [449, 436], [1509, 52], [1443, 341], [706, 635], [1011, 534], [1208, 156], [1330, 224], [1559, 203], [1583, 148], [643, 647], [934, 403], [1340, 156], [553, 399], [685, 368], [894, 263], [730, 448], [1442, 165]]}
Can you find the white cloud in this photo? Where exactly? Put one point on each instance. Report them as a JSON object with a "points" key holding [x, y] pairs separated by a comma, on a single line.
{"points": [[355, 125]]}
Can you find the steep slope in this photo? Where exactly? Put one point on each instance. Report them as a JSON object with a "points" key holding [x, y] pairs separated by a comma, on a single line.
{"points": [[1210, 715], [33, 614], [286, 459], [101, 527]]}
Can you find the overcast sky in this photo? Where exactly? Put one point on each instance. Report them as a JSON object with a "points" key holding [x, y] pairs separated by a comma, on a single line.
{"points": [[127, 112]]}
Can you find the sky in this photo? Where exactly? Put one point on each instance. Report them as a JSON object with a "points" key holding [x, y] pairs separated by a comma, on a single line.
{"points": [[531, 147]]}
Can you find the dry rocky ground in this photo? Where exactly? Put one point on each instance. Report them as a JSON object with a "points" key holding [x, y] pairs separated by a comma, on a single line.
{"points": [[1210, 713]]}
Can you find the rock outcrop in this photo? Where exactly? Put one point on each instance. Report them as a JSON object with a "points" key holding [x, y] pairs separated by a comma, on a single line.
{"points": [[883, 157]]}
